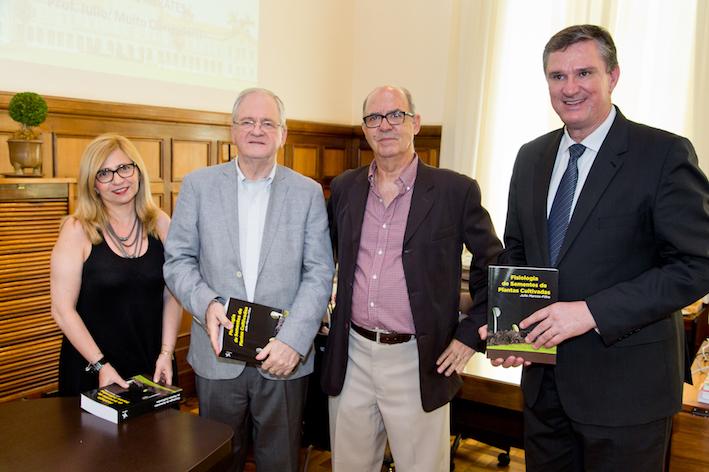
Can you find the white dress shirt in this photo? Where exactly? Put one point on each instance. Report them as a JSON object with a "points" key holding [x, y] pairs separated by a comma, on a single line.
{"points": [[593, 143], [253, 196]]}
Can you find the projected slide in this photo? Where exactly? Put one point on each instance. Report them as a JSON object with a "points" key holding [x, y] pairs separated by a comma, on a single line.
{"points": [[209, 43]]}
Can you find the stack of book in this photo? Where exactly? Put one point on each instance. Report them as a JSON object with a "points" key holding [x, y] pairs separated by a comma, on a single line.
{"points": [[116, 404]]}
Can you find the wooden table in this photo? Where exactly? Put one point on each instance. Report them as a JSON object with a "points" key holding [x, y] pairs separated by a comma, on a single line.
{"points": [[689, 450], [495, 386], [696, 325], [55, 434], [488, 408]]}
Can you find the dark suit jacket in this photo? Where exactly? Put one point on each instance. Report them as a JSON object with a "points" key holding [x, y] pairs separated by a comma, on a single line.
{"points": [[445, 214], [636, 250]]}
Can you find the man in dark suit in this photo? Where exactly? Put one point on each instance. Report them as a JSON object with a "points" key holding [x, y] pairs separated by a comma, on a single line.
{"points": [[622, 210], [396, 345]]}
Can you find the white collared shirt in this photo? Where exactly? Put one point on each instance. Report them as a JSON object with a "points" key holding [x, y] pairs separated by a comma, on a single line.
{"points": [[253, 196], [593, 143]]}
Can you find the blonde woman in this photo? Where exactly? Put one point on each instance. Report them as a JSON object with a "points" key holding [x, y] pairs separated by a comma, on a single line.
{"points": [[108, 293]]}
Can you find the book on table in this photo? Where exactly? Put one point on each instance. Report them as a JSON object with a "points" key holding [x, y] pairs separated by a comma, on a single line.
{"points": [[117, 404], [514, 293], [254, 325]]}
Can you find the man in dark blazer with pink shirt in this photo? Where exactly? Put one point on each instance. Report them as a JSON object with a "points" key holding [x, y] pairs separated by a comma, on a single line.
{"points": [[396, 345], [632, 249]]}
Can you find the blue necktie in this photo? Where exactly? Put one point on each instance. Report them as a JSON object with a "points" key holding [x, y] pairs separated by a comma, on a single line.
{"points": [[560, 213]]}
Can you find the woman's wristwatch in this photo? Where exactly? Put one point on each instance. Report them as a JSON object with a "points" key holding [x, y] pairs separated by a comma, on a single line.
{"points": [[96, 366]]}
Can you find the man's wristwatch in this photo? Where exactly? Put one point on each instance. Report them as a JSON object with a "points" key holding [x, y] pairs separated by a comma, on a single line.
{"points": [[96, 366]]}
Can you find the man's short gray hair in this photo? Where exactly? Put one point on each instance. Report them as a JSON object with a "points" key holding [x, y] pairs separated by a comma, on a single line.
{"points": [[246, 92]]}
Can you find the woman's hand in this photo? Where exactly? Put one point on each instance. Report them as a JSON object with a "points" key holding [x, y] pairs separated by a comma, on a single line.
{"points": [[163, 368], [108, 375]]}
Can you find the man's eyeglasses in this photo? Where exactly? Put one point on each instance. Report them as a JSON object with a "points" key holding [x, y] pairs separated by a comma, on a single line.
{"points": [[249, 125], [124, 170], [395, 117]]}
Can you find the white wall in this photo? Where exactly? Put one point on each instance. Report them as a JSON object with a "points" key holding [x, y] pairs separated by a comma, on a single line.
{"points": [[405, 43], [305, 56]]}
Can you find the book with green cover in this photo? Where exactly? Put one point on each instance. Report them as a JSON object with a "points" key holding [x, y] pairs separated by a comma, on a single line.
{"points": [[117, 404], [254, 326], [514, 293]]}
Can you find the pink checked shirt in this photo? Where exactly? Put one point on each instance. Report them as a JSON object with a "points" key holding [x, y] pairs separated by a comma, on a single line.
{"points": [[379, 297]]}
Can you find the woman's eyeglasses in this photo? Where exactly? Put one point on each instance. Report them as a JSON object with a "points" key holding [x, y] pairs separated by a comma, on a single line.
{"points": [[124, 170]]}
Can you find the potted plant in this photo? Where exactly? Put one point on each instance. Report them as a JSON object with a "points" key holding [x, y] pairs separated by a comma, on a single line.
{"points": [[28, 109]]}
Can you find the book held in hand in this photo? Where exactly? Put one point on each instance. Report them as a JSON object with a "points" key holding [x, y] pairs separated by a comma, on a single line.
{"points": [[254, 325], [117, 404], [514, 293]]}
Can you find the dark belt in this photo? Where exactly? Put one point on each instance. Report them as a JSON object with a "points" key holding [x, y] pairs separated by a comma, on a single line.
{"points": [[384, 338]]}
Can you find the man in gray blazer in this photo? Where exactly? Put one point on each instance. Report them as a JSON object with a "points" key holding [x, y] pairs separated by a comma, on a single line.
{"points": [[257, 231]]}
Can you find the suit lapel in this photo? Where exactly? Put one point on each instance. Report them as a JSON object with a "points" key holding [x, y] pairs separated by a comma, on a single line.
{"points": [[607, 163], [421, 200], [229, 196], [276, 203], [542, 178], [357, 201]]}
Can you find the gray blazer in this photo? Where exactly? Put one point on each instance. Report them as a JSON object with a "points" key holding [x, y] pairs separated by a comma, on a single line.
{"points": [[202, 259]]}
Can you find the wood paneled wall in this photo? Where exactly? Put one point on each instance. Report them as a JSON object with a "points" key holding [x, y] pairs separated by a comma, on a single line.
{"points": [[29, 339], [174, 142]]}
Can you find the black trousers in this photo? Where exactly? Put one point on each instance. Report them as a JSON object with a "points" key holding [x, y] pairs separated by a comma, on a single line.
{"points": [[554, 442]]}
